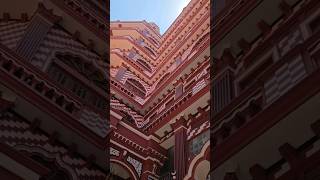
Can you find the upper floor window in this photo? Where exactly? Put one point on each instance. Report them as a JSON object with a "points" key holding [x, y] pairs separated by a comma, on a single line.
{"points": [[151, 51], [178, 60], [179, 90], [141, 42], [136, 87], [145, 32], [132, 54], [87, 69]]}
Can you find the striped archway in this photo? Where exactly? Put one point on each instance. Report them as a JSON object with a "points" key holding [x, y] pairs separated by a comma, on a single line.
{"points": [[117, 163]]}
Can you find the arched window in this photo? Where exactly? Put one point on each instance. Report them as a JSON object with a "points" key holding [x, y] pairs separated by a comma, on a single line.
{"points": [[196, 144], [87, 69], [132, 54], [136, 87], [147, 48]]}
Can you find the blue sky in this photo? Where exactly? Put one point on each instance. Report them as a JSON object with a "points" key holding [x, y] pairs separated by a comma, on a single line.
{"points": [[162, 12]]}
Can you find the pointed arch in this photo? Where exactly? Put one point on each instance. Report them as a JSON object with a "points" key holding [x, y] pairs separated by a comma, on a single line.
{"points": [[127, 167], [149, 49]]}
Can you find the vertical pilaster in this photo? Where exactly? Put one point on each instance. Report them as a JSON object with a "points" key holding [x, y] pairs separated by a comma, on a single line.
{"points": [[39, 26], [180, 148]]}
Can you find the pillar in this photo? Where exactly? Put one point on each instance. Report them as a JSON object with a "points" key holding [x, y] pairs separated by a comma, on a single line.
{"points": [[180, 148]]}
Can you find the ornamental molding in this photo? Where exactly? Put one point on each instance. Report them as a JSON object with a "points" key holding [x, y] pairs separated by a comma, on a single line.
{"points": [[129, 142], [127, 150], [136, 164], [114, 152]]}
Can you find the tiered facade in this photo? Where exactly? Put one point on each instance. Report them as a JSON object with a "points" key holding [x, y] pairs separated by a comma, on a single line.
{"points": [[53, 89], [266, 91], [160, 92]]}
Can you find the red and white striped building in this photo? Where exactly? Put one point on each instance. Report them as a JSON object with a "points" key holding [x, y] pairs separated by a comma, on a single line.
{"points": [[160, 92]]}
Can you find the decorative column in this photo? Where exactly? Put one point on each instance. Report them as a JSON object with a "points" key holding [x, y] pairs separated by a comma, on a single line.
{"points": [[37, 29], [180, 148]]}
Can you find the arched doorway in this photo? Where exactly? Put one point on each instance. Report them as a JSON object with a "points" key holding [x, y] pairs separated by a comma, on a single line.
{"points": [[120, 171]]}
